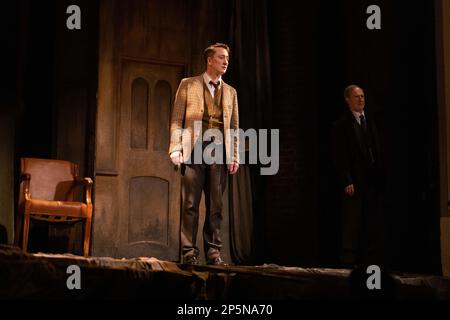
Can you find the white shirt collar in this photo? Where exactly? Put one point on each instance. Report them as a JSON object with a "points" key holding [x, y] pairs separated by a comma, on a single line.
{"points": [[358, 114], [207, 79]]}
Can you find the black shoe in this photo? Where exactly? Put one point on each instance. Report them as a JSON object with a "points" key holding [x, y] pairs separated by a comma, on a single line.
{"points": [[191, 260], [216, 262]]}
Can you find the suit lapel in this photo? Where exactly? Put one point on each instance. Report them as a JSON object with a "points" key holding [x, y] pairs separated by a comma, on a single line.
{"points": [[226, 98], [359, 137], [358, 134], [197, 89]]}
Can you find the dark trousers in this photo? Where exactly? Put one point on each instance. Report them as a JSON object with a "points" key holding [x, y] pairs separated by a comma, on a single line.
{"points": [[363, 230], [211, 179]]}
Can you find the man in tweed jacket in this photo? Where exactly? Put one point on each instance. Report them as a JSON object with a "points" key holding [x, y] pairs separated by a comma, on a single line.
{"points": [[205, 102]]}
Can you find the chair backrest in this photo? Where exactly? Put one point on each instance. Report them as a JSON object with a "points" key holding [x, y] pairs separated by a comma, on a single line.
{"points": [[50, 179]]}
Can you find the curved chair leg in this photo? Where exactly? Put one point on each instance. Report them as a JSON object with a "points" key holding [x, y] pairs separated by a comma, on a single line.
{"points": [[87, 236], [26, 228]]}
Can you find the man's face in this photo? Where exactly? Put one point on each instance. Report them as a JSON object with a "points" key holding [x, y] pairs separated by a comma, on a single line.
{"points": [[218, 63], [356, 100]]}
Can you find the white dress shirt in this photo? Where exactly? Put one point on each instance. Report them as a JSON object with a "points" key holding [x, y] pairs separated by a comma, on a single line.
{"points": [[357, 115], [210, 87]]}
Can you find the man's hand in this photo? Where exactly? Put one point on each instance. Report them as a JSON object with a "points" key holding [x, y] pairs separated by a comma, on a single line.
{"points": [[233, 168], [176, 157], [349, 190]]}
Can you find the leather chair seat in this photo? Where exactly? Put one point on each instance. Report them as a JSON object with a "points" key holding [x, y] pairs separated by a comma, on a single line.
{"points": [[63, 208]]}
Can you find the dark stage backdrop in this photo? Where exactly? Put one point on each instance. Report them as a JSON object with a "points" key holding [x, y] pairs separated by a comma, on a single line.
{"points": [[317, 49]]}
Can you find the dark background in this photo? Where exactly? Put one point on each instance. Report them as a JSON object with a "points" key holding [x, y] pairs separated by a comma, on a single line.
{"points": [[316, 48]]}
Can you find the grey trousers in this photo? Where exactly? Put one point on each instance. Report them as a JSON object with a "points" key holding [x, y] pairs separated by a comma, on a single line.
{"points": [[212, 180]]}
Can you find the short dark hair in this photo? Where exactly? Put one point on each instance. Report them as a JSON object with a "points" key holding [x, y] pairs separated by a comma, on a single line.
{"points": [[209, 52], [349, 89]]}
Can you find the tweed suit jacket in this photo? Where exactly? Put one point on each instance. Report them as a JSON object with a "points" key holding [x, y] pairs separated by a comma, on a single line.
{"points": [[189, 107]]}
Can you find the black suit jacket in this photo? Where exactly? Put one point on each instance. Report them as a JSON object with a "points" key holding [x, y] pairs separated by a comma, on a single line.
{"points": [[351, 156]]}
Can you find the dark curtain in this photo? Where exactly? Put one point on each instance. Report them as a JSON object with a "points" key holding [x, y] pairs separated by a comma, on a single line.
{"points": [[250, 75]]}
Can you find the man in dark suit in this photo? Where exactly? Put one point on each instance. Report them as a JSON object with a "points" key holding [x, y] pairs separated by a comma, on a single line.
{"points": [[358, 160]]}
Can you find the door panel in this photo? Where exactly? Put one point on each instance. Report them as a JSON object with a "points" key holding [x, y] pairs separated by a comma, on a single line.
{"points": [[149, 187]]}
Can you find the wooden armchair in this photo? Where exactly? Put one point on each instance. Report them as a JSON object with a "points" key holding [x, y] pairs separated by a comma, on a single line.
{"points": [[48, 190]]}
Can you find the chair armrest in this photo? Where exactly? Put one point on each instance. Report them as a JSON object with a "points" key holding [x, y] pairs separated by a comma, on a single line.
{"points": [[25, 178], [87, 182]]}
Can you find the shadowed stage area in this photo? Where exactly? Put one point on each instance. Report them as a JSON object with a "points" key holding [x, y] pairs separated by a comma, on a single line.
{"points": [[45, 276]]}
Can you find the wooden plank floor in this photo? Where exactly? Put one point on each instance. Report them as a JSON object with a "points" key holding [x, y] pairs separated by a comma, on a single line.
{"points": [[46, 276]]}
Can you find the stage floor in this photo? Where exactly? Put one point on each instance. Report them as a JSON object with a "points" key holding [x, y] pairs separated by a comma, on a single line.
{"points": [[66, 276]]}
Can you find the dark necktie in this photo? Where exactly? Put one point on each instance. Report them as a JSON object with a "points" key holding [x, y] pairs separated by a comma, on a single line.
{"points": [[215, 85], [363, 123]]}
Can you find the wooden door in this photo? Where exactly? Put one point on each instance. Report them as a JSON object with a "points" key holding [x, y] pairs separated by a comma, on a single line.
{"points": [[149, 187], [136, 190]]}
